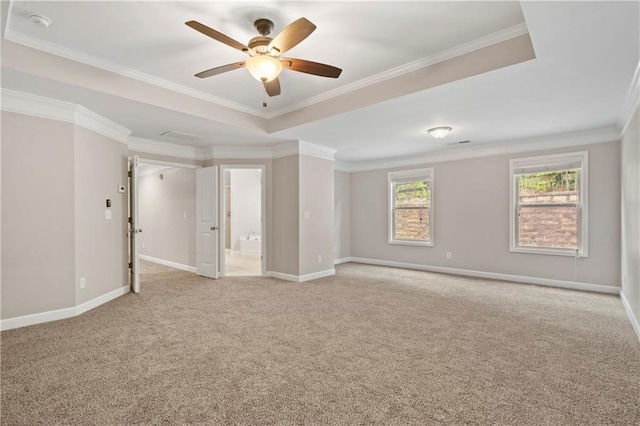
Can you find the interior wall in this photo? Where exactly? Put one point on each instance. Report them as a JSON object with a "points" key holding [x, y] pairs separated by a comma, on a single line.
{"points": [[342, 215], [246, 206], [285, 234], [631, 215], [317, 199], [167, 210], [471, 220], [100, 244], [38, 224]]}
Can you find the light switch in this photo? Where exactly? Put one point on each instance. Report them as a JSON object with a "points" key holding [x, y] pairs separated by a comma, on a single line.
{"points": [[307, 215], [107, 214]]}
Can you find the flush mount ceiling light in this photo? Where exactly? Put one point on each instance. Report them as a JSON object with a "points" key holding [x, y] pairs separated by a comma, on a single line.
{"points": [[43, 21], [439, 132]]}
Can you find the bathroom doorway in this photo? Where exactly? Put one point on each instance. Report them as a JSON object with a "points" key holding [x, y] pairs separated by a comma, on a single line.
{"points": [[242, 212]]}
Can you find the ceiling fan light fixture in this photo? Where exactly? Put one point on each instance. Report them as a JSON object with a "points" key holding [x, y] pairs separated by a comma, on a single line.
{"points": [[264, 68], [439, 132]]}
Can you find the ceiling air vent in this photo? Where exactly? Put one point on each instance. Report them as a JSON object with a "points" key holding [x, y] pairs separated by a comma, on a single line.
{"points": [[179, 136]]}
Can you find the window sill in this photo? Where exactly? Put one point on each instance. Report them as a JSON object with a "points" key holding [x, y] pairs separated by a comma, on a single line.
{"points": [[412, 243], [547, 251]]}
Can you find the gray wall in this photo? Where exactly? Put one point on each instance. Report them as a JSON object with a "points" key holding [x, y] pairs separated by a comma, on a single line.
{"points": [[38, 235], [285, 235], [316, 197], [55, 179], [100, 244], [166, 233], [631, 214], [471, 219], [342, 218]]}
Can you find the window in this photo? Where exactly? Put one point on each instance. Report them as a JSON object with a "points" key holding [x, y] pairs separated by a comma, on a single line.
{"points": [[549, 204], [411, 207]]}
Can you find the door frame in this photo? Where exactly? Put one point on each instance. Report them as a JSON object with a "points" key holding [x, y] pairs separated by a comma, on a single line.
{"points": [[222, 217], [142, 161]]}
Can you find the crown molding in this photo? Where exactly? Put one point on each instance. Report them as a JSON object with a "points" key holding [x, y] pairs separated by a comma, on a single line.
{"points": [[53, 109], [56, 49], [317, 151], [471, 46], [242, 152], [631, 102], [150, 146], [64, 52], [588, 137]]}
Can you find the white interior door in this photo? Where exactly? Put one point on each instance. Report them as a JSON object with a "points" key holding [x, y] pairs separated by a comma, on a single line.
{"points": [[207, 222], [133, 224]]}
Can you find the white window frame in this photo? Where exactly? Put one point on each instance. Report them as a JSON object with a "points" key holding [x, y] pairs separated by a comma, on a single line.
{"points": [[404, 175], [577, 160]]}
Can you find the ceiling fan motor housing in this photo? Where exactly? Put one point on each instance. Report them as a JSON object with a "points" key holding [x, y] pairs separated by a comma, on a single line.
{"points": [[260, 43]]}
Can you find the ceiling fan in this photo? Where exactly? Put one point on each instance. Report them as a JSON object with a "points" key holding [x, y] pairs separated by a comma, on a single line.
{"points": [[265, 62]]}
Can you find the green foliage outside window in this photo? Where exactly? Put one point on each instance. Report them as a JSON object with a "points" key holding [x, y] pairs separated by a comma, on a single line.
{"points": [[566, 181], [413, 194]]}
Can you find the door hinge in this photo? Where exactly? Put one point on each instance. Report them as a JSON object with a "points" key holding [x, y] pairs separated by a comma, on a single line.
{"points": [[129, 173], [130, 220], [130, 265]]}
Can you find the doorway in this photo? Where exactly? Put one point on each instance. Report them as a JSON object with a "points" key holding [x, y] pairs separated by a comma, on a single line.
{"points": [[242, 212]]}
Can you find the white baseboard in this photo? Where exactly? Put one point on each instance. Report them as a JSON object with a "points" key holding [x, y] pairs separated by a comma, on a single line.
{"points": [[101, 300], [574, 285], [301, 278], [168, 263], [58, 314], [634, 321], [342, 260]]}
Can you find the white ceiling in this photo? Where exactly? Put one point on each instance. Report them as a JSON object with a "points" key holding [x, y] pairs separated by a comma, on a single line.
{"points": [[586, 56]]}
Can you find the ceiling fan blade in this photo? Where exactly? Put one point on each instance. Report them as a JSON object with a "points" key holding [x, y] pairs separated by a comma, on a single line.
{"points": [[308, 67], [293, 34], [220, 70], [216, 35], [273, 87]]}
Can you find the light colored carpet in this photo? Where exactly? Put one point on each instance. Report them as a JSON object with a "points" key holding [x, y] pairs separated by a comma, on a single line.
{"points": [[371, 345]]}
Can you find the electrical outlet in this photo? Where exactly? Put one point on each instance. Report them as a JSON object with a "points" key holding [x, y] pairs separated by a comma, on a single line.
{"points": [[185, 215], [449, 255], [319, 258], [83, 282]]}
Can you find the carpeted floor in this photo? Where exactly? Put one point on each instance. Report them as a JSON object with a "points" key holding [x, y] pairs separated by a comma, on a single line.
{"points": [[371, 345]]}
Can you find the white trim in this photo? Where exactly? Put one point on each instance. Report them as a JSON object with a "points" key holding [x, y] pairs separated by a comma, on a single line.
{"points": [[631, 102], [39, 318], [64, 52], [150, 146], [574, 285], [583, 205], [101, 300], [168, 263], [282, 276], [398, 177], [342, 260], [58, 314], [53, 109], [301, 278], [317, 151], [471, 46], [168, 164], [285, 149], [222, 250], [241, 152], [581, 138], [634, 321]]}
